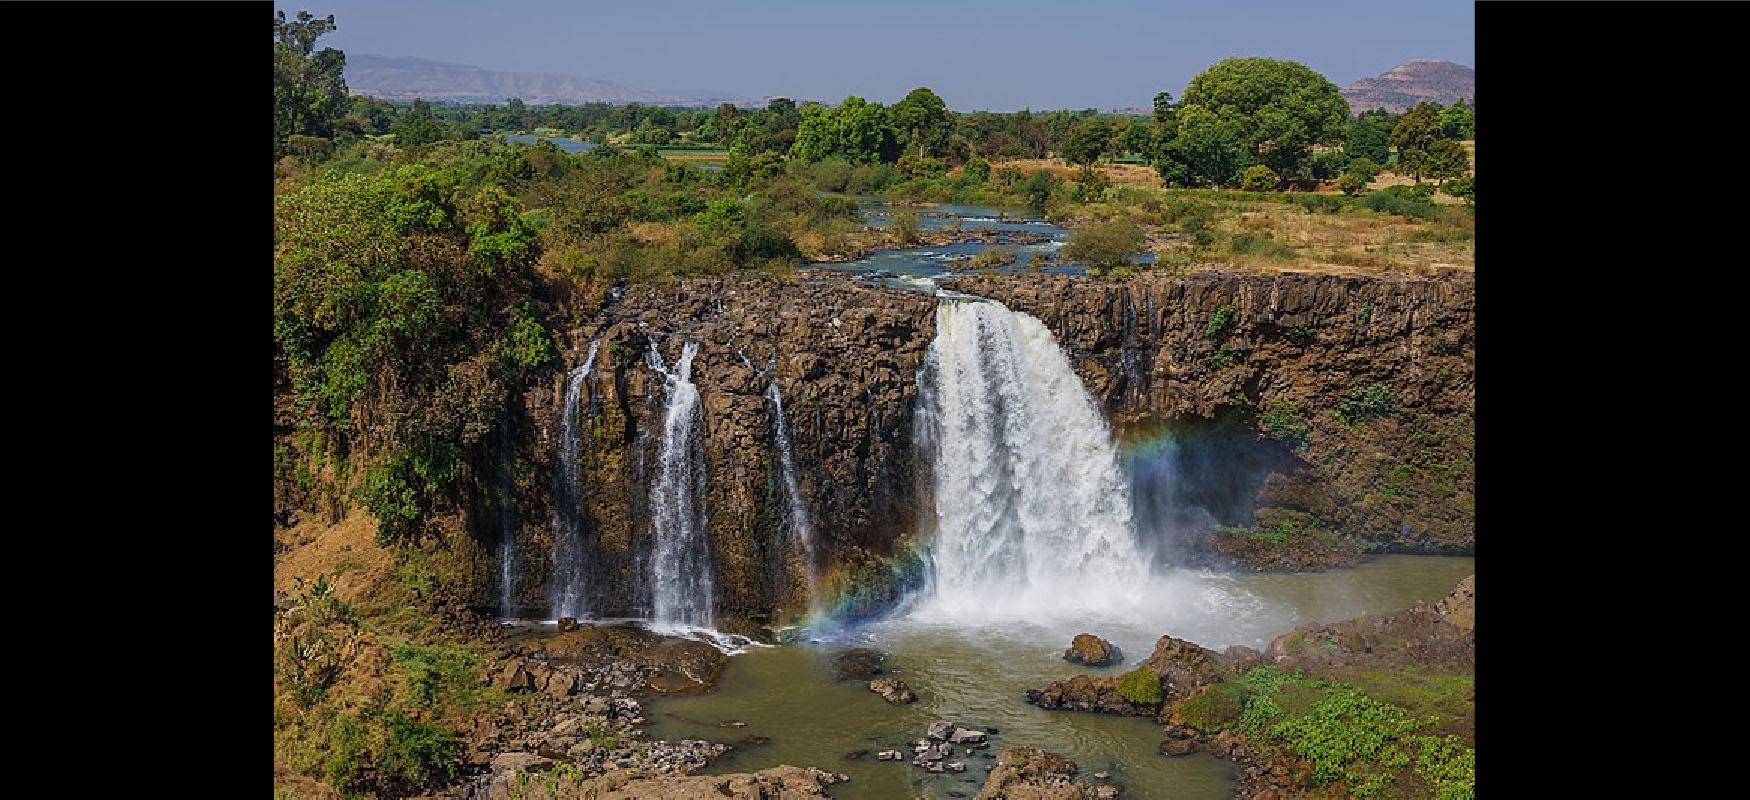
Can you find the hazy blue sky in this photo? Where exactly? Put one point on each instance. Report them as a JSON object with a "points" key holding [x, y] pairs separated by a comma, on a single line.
{"points": [[999, 55]]}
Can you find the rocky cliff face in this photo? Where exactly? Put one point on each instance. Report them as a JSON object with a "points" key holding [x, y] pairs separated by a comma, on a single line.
{"points": [[845, 359], [1313, 417], [1341, 406]]}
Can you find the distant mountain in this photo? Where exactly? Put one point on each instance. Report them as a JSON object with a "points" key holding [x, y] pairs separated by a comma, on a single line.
{"points": [[1413, 82], [397, 78]]}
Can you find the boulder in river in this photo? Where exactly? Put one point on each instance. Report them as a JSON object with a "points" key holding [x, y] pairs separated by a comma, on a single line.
{"points": [[893, 690], [861, 664], [1092, 651]]}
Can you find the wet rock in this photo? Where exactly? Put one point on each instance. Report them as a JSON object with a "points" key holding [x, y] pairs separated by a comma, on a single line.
{"points": [[955, 766], [966, 736], [860, 664], [1086, 693], [1027, 773], [893, 691], [568, 624], [855, 755], [1093, 651], [516, 678], [890, 755], [1460, 607], [1184, 667], [1177, 747], [940, 730]]}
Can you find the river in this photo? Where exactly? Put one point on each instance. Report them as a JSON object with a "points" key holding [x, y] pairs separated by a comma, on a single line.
{"points": [[797, 713]]}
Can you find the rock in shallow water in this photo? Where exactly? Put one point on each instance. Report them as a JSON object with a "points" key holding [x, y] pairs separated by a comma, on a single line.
{"points": [[893, 690], [1092, 651]]}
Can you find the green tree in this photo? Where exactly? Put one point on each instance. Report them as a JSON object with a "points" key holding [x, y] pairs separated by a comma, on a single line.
{"points": [[1413, 136], [1369, 137], [923, 118], [309, 85], [1275, 109], [1446, 159], [400, 317], [418, 126], [1164, 110], [1209, 150], [1458, 121], [1087, 142], [857, 130]]}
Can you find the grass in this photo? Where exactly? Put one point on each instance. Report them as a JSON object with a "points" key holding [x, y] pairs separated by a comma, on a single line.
{"points": [[1356, 739], [1141, 686]]}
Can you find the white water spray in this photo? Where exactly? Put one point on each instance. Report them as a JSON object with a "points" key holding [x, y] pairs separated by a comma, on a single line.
{"points": [[680, 562], [567, 586], [1032, 512]]}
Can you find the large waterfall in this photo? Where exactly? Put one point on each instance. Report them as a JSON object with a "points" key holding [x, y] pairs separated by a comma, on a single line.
{"points": [[801, 528], [680, 559], [1032, 511], [566, 589]]}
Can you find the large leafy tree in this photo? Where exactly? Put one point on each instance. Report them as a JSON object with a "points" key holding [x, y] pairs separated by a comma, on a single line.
{"points": [[1414, 136], [923, 118], [309, 85], [1087, 142], [1274, 110], [1369, 137], [857, 131]]}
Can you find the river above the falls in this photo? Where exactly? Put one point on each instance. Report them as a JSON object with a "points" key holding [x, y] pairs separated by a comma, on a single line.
{"points": [[934, 261], [796, 712]]}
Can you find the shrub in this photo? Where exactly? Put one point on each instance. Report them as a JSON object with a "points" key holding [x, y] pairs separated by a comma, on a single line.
{"points": [[1352, 183], [416, 752], [1214, 708], [977, 170], [904, 224], [1367, 402], [1463, 188], [1283, 421], [1259, 178], [1220, 323], [1142, 687], [1105, 244], [993, 257]]}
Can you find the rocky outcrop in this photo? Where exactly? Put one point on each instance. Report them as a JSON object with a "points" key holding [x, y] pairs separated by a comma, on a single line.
{"points": [[1438, 637], [1087, 693], [778, 783], [1028, 773], [618, 656], [1342, 404], [1183, 667], [844, 358], [1093, 651], [893, 690]]}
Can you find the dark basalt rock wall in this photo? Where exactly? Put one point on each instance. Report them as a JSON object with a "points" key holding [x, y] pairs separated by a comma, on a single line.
{"points": [[845, 358], [1347, 400]]}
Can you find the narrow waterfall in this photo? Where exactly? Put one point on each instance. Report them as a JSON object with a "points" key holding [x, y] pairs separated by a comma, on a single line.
{"points": [[801, 528], [1032, 511], [508, 566], [567, 587], [680, 562]]}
